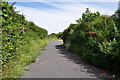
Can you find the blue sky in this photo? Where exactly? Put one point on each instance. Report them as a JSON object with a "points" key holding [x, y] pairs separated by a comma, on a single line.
{"points": [[56, 16], [43, 6]]}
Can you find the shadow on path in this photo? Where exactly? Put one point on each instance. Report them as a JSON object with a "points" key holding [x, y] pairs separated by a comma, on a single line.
{"points": [[84, 67]]}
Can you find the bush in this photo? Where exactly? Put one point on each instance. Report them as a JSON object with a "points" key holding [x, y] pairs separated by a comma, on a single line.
{"points": [[18, 39], [96, 38]]}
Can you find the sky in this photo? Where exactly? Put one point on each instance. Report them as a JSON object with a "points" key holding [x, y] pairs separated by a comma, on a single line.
{"points": [[56, 16]]}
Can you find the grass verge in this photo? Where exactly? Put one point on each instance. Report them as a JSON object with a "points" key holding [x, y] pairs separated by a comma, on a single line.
{"points": [[27, 54]]}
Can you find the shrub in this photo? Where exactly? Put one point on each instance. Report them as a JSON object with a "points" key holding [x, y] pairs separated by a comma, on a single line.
{"points": [[96, 39], [17, 36]]}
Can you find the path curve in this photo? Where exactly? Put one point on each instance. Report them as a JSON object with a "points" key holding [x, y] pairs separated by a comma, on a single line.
{"points": [[56, 62]]}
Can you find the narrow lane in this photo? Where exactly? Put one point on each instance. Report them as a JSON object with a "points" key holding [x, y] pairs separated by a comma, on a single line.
{"points": [[56, 62]]}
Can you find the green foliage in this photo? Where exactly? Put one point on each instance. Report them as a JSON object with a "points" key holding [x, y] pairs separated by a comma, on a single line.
{"points": [[96, 38], [118, 18], [57, 35], [27, 55], [19, 40]]}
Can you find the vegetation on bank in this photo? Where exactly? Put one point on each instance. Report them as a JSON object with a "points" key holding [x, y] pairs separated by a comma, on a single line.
{"points": [[96, 38], [21, 41]]}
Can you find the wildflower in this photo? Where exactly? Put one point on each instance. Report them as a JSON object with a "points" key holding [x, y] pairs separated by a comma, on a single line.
{"points": [[22, 30], [91, 33], [11, 48]]}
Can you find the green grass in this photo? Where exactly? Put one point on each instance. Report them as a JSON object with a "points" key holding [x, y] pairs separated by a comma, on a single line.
{"points": [[19, 48], [28, 54]]}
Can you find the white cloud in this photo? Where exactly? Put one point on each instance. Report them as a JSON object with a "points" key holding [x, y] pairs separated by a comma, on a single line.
{"points": [[57, 20]]}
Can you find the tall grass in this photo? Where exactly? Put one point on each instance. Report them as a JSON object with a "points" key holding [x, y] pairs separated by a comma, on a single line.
{"points": [[21, 41], [27, 54]]}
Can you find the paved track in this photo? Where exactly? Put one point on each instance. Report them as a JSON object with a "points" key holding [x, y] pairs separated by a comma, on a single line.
{"points": [[56, 62]]}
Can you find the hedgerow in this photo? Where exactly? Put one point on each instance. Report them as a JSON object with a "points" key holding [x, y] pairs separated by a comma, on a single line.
{"points": [[96, 38], [19, 40]]}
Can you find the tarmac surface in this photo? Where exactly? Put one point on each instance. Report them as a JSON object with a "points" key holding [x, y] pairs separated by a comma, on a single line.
{"points": [[57, 62]]}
